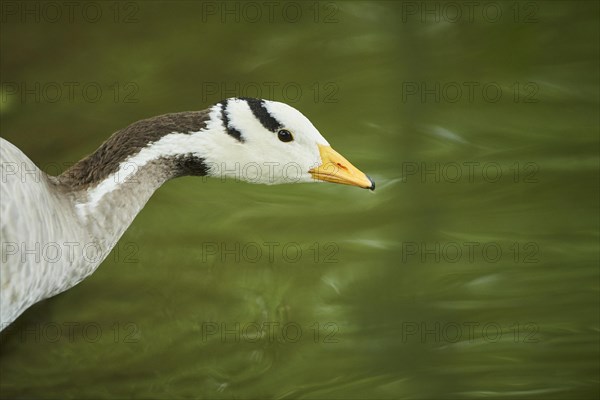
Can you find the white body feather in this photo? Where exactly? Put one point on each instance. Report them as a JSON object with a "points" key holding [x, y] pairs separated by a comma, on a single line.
{"points": [[40, 237]]}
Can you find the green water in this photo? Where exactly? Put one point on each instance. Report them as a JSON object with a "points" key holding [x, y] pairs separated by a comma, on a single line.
{"points": [[471, 272]]}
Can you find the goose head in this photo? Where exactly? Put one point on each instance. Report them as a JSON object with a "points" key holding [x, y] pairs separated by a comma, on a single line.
{"points": [[246, 139], [263, 141]]}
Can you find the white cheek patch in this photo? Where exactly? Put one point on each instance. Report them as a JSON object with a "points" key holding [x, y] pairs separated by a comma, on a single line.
{"points": [[215, 122], [241, 118]]}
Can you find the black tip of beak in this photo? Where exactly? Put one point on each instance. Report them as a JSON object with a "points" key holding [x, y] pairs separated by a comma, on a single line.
{"points": [[372, 183]]}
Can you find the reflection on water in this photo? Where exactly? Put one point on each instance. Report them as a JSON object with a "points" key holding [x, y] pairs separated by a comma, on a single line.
{"points": [[471, 272]]}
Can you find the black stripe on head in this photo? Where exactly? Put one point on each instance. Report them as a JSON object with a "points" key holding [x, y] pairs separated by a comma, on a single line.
{"points": [[262, 114], [231, 131]]}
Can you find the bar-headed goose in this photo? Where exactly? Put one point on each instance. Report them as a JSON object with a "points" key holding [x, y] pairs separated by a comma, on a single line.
{"points": [[56, 230]]}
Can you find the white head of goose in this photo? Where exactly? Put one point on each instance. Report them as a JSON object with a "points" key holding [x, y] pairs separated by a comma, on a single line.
{"points": [[55, 231]]}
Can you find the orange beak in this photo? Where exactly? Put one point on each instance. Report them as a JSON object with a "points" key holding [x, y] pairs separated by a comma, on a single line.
{"points": [[337, 169]]}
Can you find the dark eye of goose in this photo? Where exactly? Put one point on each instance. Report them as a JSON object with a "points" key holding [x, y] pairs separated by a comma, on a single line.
{"points": [[284, 135]]}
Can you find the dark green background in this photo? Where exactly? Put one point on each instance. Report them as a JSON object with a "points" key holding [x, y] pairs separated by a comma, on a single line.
{"points": [[400, 314]]}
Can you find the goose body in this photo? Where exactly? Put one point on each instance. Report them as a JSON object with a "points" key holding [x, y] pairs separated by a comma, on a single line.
{"points": [[56, 230]]}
